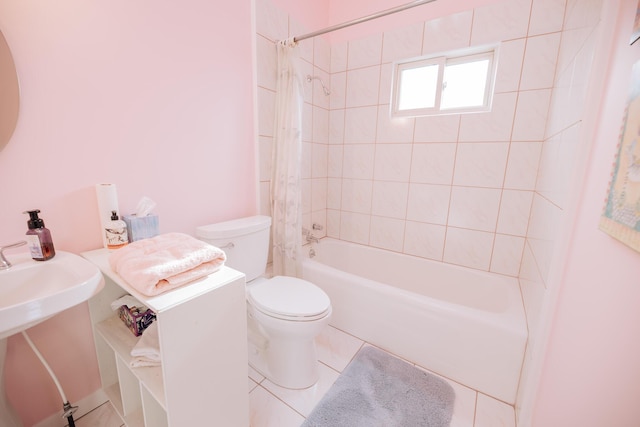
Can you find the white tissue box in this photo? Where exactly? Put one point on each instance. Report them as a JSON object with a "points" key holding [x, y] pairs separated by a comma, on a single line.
{"points": [[141, 227]]}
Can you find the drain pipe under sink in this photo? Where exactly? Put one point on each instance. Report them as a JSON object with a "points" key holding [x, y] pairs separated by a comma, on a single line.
{"points": [[67, 409]]}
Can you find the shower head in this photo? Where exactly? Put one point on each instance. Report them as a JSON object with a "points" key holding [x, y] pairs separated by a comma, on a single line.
{"points": [[310, 78]]}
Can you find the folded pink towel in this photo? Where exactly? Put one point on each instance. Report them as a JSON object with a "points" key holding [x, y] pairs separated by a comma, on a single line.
{"points": [[158, 264]]}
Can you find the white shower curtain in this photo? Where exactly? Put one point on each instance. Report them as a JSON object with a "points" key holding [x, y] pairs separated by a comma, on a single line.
{"points": [[286, 209]]}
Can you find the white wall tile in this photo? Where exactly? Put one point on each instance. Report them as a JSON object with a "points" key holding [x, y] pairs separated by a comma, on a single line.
{"points": [[469, 248], [474, 208], [320, 131], [433, 163], [266, 63], [398, 129], [320, 99], [428, 203], [356, 195], [360, 125], [322, 54], [504, 20], [402, 43], [364, 52], [494, 126], [336, 126], [510, 58], [333, 223], [362, 86], [358, 161], [424, 240], [384, 94], [265, 145], [531, 115], [339, 57], [354, 227], [515, 209], [437, 128], [522, 165], [546, 16], [338, 90], [507, 254], [306, 69], [447, 33], [481, 164], [319, 160], [266, 111], [335, 155], [392, 162], [390, 199], [387, 233], [533, 291], [540, 59], [318, 194], [334, 193]]}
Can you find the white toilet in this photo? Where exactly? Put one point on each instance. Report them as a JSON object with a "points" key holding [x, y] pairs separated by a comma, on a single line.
{"points": [[284, 314]]}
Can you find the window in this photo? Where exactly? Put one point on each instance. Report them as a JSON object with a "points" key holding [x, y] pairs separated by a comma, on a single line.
{"points": [[455, 83]]}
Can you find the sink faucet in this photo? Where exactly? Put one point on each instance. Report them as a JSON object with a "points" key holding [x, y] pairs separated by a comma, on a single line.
{"points": [[4, 263]]}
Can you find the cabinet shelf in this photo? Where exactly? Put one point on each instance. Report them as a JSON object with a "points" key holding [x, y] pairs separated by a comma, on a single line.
{"points": [[203, 348], [121, 340]]}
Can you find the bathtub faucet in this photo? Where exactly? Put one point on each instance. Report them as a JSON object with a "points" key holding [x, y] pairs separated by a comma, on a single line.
{"points": [[308, 235]]}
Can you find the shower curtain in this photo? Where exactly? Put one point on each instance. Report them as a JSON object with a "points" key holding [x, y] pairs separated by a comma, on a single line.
{"points": [[286, 209]]}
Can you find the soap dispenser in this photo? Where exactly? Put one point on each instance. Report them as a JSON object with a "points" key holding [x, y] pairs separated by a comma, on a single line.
{"points": [[116, 232], [39, 238]]}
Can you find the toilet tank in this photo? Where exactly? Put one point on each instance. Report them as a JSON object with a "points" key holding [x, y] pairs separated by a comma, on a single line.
{"points": [[245, 241]]}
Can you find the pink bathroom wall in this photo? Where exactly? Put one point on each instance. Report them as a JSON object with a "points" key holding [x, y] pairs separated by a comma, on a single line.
{"points": [[315, 15], [344, 11], [154, 96], [591, 374]]}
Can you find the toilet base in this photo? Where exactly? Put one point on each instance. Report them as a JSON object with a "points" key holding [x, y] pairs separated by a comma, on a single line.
{"points": [[292, 365]]}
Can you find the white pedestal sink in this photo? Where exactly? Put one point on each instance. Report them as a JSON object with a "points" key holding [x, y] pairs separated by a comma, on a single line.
{"points": [[32, 291]]}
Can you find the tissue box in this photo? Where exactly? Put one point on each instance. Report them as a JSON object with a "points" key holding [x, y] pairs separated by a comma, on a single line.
{"points": [[136, 320], [141, 227]]}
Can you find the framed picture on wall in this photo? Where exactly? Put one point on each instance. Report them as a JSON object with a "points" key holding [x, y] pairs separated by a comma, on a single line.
{"points": [[635, 35], [621, 213]]}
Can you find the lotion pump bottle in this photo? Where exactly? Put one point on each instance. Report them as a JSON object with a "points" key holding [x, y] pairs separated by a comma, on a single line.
{"points": [[39, 238], [116, 232]]}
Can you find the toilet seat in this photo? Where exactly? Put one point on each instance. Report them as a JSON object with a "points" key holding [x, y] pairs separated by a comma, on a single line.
{"points": [[289, 298]]}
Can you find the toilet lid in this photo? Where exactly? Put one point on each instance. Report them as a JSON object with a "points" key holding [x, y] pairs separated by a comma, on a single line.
{"points": [[289, 297]]}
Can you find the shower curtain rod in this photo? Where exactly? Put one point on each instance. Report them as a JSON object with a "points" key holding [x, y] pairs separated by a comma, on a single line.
{"points": [[363, 19]]}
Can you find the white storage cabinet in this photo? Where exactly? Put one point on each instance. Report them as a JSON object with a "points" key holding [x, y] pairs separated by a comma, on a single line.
{"points": [[202, 330]]}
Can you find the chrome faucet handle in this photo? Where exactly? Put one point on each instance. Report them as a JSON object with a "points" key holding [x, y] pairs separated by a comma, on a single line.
{"points": [[4, 262], [316, 226]]}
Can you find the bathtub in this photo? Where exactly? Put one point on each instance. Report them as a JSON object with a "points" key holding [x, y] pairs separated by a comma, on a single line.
{"points": [[464, 324]]}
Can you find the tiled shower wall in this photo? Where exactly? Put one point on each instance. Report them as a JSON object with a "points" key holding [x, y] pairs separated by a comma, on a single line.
{"points": [[456, 188], [566, 143]]}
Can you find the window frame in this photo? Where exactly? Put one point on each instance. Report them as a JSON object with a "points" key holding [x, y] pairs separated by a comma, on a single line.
{"points": [[443, 60]]}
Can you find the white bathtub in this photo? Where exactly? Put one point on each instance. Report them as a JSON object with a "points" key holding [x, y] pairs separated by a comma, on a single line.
{"points": [[464, 324]]}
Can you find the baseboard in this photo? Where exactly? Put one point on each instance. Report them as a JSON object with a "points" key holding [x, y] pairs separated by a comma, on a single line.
{"points": [[85, 405]]}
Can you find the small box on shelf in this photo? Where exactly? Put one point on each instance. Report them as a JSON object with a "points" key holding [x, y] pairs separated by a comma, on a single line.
{"points": [[134, 319]]}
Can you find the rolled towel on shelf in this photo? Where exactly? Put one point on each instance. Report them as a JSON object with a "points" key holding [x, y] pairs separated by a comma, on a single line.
{"points": [[147, 351], [158, 264]]}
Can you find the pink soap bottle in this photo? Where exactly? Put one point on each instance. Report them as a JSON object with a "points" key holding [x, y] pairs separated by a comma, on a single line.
{"points": [[39, 238]]}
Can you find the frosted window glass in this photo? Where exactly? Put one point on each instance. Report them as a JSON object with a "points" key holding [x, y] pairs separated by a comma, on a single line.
{"points": [[418, 88], [464, 85]]}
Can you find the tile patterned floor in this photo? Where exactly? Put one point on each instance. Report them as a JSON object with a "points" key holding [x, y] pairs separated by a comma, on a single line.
{"points": [[273, 406]]}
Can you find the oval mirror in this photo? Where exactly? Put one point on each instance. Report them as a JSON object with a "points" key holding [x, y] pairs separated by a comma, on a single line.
{"points": [[9, 93]]}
